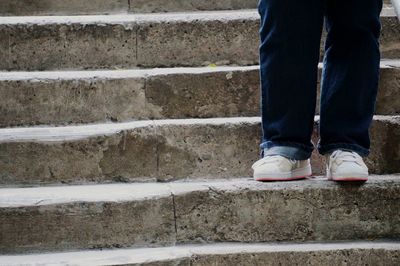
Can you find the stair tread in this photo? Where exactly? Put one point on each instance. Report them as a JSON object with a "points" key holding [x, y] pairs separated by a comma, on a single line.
{"points": [[129, 18], [35, 76], [78, 132], [123, 192], [220, 15], [146, 255]]}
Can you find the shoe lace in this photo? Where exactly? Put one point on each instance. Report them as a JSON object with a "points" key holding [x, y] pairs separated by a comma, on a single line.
{"points": [[341, 156], [273, 159]]}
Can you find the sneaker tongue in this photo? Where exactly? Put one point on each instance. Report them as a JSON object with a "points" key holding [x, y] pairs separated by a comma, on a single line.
{"points": [[348, 156]]}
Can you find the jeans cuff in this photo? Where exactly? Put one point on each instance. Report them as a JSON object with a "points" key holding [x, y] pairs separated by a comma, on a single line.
{"points": [[329, 148], [293, 151]]}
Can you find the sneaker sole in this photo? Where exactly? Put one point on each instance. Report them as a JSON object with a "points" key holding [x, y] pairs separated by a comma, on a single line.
{"points": [[282, 179], [296, 175], [349, 179]]}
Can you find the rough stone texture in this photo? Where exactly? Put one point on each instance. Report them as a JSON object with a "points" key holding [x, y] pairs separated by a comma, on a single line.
{"points": [[99, 96], [388, 101], [211, 40], [329, 258], [72, 97], [343, 253], [63, 46], [185, 5], [390, 35], [221, 92], [239, 210], [161, 150], [152, 40], [60, 7], [76, 7], [66, 101], [296, 211], [75, 225]]}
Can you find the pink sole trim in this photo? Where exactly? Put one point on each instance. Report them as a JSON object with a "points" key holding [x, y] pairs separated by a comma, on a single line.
{"points": [[282, 179], [349, 179]]}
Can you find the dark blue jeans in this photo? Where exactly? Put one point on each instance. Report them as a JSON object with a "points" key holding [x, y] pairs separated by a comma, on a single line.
{"points": [[290, 34]]}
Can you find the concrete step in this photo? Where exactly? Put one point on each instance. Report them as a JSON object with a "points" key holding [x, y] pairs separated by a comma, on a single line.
{"points": [[160, 150], [329, 254], [153, 214], [145, 40], [34, 98], [78, 7]]}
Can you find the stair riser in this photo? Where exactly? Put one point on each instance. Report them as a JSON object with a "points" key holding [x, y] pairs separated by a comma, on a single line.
{"points": [[246, 212], [353, 253], [226, 93], [348, 212], [165, 152], [328, 258], [78, 7], [60, 7], [144, 43], [87, 225]]}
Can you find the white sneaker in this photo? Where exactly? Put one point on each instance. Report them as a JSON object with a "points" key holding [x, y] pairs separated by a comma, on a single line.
{"points": [[346, 166], [279, 168]]}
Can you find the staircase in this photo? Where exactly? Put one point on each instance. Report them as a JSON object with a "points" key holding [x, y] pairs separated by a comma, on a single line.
{"points": [[128, 130]]}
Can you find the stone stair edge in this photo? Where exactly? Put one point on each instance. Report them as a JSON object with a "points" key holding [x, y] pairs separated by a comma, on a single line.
{"points": [[16, 197], [80, 131], [49, 43], [72, 74], [221, 212], [157, 254], [59, 7], [100, 96], [219, 15]]}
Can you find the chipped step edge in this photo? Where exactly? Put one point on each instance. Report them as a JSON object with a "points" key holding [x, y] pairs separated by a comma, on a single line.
{"points": [[148, 255], [42, 196]]}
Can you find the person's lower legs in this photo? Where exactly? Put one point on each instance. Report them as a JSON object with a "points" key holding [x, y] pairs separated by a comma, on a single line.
{"points": [[350, 76], [289, 53]]}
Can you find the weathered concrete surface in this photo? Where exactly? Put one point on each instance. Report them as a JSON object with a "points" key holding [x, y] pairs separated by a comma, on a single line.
{"points": [[221, 38], [390, 37], [78, 7], [147, 40], [71, 97], [353, 253], [120, 215], [63, 218], [145, 6], [99, 96], [35, 46], [329, 258], [61, 98], [61, 7], [300, 211], [157, 150]]}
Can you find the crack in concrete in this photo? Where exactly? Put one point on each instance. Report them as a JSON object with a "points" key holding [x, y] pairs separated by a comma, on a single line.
{"points": [[137, 45], [175, 219]]}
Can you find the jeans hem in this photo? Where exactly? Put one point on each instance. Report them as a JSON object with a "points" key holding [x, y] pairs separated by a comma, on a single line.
{"points": [[290, 150], [329, 148]]}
